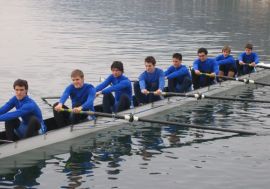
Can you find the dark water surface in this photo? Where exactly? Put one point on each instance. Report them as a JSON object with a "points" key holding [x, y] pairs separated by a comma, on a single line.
{"points": [[43, 41]]}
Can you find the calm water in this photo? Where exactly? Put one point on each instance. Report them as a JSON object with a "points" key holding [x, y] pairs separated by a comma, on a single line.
{"points": [[43, 41]]}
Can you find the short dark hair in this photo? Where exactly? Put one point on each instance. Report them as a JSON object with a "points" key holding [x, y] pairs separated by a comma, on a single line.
{"points": [[150, 59], [118, 65], [203, 50], [177, 56], [21, 83], [76, 73], [249, 46]]}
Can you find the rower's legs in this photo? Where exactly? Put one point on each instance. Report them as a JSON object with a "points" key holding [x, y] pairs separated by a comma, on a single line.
{"points": [[108, 103], [195, 80], [172, 85], [124, 103], [61, 118], [33, 127], [140, 97], [185, 86], [10, 126]]}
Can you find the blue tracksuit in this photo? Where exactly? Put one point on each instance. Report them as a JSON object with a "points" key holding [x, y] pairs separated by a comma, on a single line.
{"points": [[253, 57], [152, 81], [120, 85], [83, 96], [179, 79], [229, 60], [25, 108], [208, 66]]}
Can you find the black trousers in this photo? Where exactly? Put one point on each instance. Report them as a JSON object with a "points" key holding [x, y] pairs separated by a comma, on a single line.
{"points": [[32, 128], [108, 103], [200, 80], [243, 69], [184, 86], [63, 119], [142, 98]]}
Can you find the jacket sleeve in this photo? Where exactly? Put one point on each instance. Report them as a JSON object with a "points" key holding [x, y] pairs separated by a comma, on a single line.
{"points": [[215, 66], [181, 72], [119, 86], [256, 58], [24, 110], [142, 81], [161, 80], [241, 57], [104, 84], [195, 65], [8, 106], [229, 60], [65, 95]]}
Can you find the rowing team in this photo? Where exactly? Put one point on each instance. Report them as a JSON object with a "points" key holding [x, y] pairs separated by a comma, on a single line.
{"points": [[82, 94]]}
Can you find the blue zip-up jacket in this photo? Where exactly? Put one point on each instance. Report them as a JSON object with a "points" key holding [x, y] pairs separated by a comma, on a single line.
{"points": [[222, 60], [180, 72], [149, 80], [120, 85], [209, 65], [25, 108], [253, 57], [83, 96]]}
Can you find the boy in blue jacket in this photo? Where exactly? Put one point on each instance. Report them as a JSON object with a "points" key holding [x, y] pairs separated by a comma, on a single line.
{"points": [[151, 80], [179, 78], [82, 97], [118, 84], [226, 63], [201, 66], [247, 60], [31, 122]]}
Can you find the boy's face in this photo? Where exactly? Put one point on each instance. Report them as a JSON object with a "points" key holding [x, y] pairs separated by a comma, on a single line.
{"points": [[202, 56], [248, 51], [176, 62], [116, 72], [77, 81], [20, 92], [149, 67], [226, 53]]}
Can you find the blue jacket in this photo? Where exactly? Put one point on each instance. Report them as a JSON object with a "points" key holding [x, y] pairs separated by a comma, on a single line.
{"points": [[253, 57], [229, 60], [180, 73], [209, 65], [83, 96], [25, 108], [152, 81], [120, 85]]}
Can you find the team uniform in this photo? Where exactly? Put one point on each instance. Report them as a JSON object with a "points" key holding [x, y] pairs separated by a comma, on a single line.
{"points": [[83, 96], [179, 79], [151, 82], [246, 69], [121, 87], [31, 122], [208, 66], [226, 64]]}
